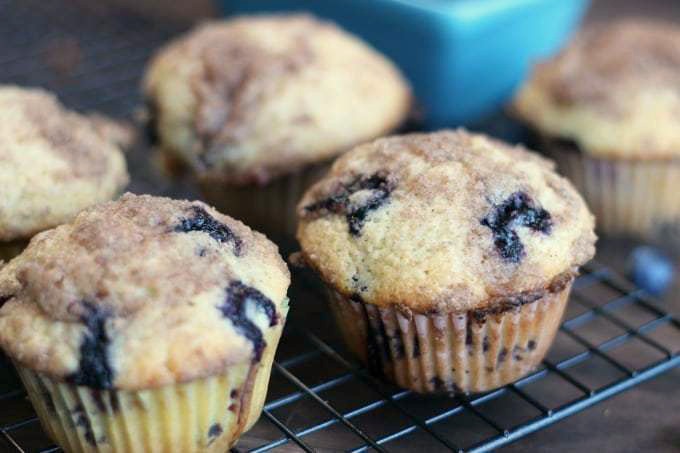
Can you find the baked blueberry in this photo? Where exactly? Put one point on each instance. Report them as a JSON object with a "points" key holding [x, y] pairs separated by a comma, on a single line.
{"points": [[203, 222], [83, 422], [235, 307], [518, 210], [355, 200], [94, 368], [214, 432]]}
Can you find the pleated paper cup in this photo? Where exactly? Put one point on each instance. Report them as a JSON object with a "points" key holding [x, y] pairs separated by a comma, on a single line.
{"points": [[466, 352], [269, 209], [627, 196], [204, 415]]}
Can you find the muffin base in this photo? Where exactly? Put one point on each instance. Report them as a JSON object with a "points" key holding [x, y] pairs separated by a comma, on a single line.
{"points": [[469, 352], [270, 209], [205, 415], [627, 196]]}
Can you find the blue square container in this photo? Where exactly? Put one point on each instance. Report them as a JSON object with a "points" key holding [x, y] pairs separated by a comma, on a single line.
{"points": [[464, 58]]}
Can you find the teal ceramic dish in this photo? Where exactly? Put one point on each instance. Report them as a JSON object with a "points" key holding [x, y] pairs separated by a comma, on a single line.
{"points": [[463, 57]]}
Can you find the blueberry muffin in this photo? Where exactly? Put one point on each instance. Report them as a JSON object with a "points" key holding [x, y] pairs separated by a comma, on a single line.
{"points": [[607, 109], [256, 106], [448, 256], [146, 324], [54, 164]]}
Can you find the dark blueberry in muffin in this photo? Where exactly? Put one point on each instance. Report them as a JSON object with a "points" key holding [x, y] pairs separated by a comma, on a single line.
{"points": [[517, 353], [214, 432], [94, 368], [518, 210], [502, 354], [235, 307], [205, 223], [384, 340], [469, 334], [416, 346], [398, 346], [358, 284], [344, 200], [100, 399], [441, 386], [49, 402], [438, 383], [83, 422], [373, 356]]}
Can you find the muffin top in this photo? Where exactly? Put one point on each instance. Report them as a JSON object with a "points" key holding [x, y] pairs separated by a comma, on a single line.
{"points": [[54, 163], [249, 99], [448, 221], [615, 91], [142, 292]]}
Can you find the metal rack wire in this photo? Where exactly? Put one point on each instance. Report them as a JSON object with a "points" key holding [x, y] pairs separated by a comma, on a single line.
{"points": [[613, 338]]}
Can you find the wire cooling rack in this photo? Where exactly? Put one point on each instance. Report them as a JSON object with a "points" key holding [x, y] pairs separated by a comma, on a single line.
{"points": [[613, 336]]}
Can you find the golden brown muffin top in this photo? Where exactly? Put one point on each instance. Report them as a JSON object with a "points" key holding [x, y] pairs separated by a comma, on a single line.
{"points": [[142, 292], [447, 221], [615, 90], [247, 99], [54, 163]]}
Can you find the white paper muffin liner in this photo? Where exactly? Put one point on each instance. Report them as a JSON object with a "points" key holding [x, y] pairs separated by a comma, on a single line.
{"points": [[627, 196], [270, 209], [205, 415], [473, 351]]}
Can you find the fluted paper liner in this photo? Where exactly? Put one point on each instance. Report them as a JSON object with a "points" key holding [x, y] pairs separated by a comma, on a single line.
{"points": [[271, 208], [204, 415], [464, 352], [627, 196]]}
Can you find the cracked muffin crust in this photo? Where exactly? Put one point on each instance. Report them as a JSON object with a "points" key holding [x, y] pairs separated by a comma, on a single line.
{"points": [[613, 90], [250, 99], [140, 293], [54, 163], [448, 221]]}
